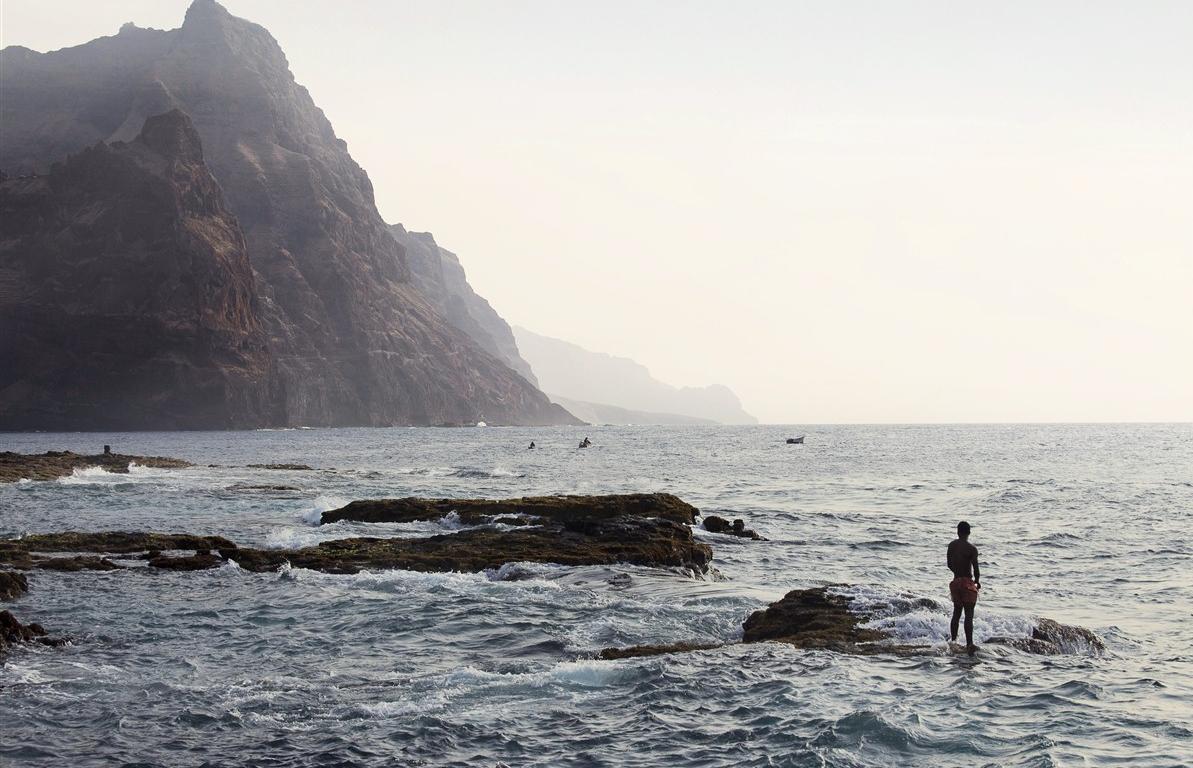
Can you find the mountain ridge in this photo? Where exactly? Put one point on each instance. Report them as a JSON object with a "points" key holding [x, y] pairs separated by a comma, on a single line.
{"points": [[353, 340]]}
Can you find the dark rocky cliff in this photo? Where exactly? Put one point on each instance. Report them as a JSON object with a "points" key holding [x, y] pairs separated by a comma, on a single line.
{"points": [[439, 276], [353, 341], [126, 295]]}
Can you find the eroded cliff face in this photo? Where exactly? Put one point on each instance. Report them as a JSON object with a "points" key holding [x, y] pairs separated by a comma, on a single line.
{"points": [[439, 276], [126, 295], [352, 339]]}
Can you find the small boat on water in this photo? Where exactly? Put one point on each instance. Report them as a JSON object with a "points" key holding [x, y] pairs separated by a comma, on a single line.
{"points": [[795, 440]]}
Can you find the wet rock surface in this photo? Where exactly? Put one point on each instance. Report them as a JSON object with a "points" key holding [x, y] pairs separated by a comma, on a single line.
{"points": [[1050, 637], [12, 585], [827, 618], [641, 651], [40, 550], [811, 618], [640, 529], [54, 464], [559, 509], [13, 632], [716, 524]]}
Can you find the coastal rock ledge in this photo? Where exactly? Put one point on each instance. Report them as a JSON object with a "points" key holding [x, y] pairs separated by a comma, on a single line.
{"points": [[828, 618], [638, 529], [54, 464]]}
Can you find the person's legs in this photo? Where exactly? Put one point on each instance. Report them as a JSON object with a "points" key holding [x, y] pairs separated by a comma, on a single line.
{"points": [[968, 626], [956, 620]]}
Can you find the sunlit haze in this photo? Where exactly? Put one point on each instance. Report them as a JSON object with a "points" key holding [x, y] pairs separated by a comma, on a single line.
{"points": [[864, 212]]}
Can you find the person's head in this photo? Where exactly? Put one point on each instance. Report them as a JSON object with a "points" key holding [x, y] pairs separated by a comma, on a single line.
{"points": [[963, 530]]}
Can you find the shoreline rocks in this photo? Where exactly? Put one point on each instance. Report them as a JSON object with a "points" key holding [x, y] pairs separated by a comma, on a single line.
{"points": [[13, 632], [52, 465], [716, 524], [636, 529], [559, 509], [824, 618], [12, 585]]}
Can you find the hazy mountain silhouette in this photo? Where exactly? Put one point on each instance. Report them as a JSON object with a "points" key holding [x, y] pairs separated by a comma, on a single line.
{"points": [[568, 371]]}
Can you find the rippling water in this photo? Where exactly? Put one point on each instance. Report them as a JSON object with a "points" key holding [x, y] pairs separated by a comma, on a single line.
{"points": [[1086, 524]]}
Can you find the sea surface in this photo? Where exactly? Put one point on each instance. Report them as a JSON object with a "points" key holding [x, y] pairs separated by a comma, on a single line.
{"points": [[1087, 524]]}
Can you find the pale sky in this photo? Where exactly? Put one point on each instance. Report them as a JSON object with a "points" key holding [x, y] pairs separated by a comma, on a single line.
{"points": [[845, 211]]}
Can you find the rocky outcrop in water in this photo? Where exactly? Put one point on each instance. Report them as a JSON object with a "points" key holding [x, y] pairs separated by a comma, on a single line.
{"points": [[827, 618], [13, 632], [12, 585], [349, 338], [717, 524], [563, 510], [54, 464], [644, 529]]}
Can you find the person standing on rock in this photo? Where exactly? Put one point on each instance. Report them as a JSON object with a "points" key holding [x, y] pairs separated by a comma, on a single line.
{"points": [[962, 560]]}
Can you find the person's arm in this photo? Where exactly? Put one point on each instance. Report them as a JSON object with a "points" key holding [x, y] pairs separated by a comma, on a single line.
{"points": [[977, 573]]}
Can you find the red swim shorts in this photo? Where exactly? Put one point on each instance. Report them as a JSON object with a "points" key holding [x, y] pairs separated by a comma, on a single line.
{"points": [[964, 591]]}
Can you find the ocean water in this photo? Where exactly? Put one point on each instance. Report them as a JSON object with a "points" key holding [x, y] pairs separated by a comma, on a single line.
{"points": [[1087, 524]]}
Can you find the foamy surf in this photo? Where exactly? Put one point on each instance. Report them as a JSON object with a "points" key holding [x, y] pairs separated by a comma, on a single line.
{"points": [[909, 620]]}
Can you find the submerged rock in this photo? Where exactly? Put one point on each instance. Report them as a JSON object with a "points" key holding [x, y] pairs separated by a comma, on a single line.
{"points": [[296, 467], [54, 464], [715, 524], [639, 651]]}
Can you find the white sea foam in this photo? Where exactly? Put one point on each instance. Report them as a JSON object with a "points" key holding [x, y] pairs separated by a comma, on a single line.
{"points": [[88, 476], [137, 473], [322, 503], [908, 620]]}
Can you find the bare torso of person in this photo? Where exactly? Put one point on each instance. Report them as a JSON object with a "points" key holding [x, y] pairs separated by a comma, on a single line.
{"points": [[961, 558]]}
